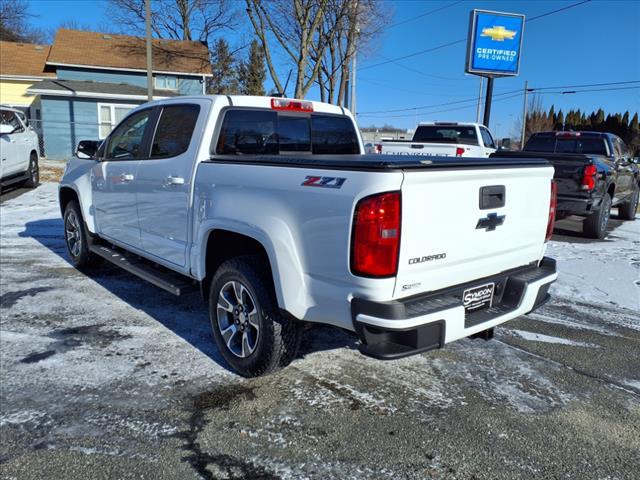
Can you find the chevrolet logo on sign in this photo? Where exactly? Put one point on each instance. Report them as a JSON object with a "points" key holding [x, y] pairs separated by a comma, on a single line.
{"points": [[498, 34]]}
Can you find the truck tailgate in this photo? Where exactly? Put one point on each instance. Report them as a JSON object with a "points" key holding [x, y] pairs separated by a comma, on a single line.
{"points": [[447, 239], [426, 149]]}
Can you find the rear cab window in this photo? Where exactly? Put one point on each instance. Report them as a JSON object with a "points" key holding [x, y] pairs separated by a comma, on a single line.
{"points": [[462, 134], [246, 131], [568, 144]]}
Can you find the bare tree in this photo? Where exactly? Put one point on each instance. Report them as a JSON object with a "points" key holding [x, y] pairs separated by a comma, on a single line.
{"points": [[320, 37], [292, 25], [201, 20], [14, 26], [537, 119]]}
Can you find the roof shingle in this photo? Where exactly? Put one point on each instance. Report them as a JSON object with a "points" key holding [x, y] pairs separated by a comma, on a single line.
{"points": [[24, 59], [74, 47]]}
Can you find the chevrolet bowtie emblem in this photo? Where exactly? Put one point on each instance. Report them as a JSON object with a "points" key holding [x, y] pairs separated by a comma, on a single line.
{"points": [[490, 222], [499, 34]]}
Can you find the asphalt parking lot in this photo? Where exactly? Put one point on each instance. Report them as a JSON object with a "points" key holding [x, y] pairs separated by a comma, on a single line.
{"points": [[105, 376]]}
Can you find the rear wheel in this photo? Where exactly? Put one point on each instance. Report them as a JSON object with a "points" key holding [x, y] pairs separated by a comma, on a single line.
{"points": [[251, 333], [595, 225], [34, 172], [627, 210], [77, 238]]}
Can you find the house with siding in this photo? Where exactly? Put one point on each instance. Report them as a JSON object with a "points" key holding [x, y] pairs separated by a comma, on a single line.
{"points": [[100, 77], [21, 66]]}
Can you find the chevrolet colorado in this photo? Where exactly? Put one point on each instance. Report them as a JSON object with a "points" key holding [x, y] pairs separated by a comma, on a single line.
{"points": [[269, 206], [449, 139], [594, 172]]}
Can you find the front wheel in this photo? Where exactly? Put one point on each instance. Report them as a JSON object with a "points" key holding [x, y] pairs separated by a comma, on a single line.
{"points": [[77, 238], [34, 172], [595, 226], [627, 210], [251, 333]]}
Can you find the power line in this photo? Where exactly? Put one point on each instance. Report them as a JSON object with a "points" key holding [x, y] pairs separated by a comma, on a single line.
{"points": [[585, 85], [422, 107], [533, 89], [426, 14], [455, 42], [436, 111]]}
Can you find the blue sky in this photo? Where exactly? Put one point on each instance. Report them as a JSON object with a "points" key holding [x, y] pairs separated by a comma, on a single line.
{"points": [[596, 42]]}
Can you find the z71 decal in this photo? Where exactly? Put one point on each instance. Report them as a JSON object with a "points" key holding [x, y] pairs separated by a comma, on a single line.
{"points": [[324, 182]]}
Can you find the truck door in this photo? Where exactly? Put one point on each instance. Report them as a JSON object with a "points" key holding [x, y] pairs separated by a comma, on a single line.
{"points": [[15, 146], [164, 181], [487, 139], [624, 167], [114, 179]]}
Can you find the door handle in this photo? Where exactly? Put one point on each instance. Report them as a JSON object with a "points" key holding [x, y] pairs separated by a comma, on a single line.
{"points": [[170, 180], [126, 177]]}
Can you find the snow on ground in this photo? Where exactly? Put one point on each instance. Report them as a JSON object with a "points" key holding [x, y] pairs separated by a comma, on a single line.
{"points": [[598, 271]]}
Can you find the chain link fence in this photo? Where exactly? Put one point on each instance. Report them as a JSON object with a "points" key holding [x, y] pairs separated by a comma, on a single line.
{"points": [[57, 140]]}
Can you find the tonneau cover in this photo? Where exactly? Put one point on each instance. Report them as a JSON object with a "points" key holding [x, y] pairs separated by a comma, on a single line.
{"points": [[380, 162]]}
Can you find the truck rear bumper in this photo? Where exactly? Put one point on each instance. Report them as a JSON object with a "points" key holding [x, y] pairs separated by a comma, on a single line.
{"points": [[405, 327], [575, 206]]}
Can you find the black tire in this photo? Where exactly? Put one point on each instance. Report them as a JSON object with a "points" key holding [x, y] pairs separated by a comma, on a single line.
{"points": [[34, 172], [275, 338], [77, 238], [627, 210], [595, 225]]}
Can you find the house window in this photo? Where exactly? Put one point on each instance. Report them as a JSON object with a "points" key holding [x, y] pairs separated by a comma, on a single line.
{"points": [[166, 82], [109, 115]]}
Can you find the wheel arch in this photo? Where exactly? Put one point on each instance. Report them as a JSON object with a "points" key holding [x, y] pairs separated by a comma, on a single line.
{"points": [[66, 195], [222, 244]]}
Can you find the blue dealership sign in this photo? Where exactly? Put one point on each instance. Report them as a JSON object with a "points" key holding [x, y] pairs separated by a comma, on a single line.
{"points": [[494, 44]]}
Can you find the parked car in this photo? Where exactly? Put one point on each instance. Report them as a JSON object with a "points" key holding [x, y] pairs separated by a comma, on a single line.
{"points": [[269, 206], [449, 139], [18, 150], [594, 172]]}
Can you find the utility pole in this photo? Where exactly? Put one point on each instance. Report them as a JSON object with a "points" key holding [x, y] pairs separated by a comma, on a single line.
{"points": [[479, 101], [524, 115], [353, 85], [487, 103], [149, 52]]}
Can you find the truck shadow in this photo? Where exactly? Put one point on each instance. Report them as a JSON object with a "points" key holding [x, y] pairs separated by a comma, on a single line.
{"points": [[569, 230], [186, 316]]}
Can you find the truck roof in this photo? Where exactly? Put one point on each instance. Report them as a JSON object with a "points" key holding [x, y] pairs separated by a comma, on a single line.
{"points": [[572, 133], [253, 101], [444, 124]]}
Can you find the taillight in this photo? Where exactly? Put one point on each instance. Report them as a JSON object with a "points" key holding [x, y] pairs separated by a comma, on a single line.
{"points": [[589, 177], [378, 148], [376, 236], [291, 105], [553, 203], [459, 151]]}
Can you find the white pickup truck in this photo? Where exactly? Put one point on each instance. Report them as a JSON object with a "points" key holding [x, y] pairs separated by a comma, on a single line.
{"points": [[449, 139], [269, 206], [18, 150]]}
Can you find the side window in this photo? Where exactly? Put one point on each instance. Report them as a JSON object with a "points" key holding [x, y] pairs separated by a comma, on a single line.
{"points": [[248, 132], [486, 138], [617, 147], [174, 131], [7, 117], [126, 141]]}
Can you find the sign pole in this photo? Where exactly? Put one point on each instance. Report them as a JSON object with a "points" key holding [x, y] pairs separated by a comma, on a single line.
{"points": [[479, 101], [487, 102]]}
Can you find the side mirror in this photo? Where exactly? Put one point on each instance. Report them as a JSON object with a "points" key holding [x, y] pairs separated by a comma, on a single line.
{"points": [[6, 129], [87, 149]]}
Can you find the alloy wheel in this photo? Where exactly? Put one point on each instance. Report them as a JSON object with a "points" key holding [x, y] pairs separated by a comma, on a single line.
{"points": [[237, 315]]}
